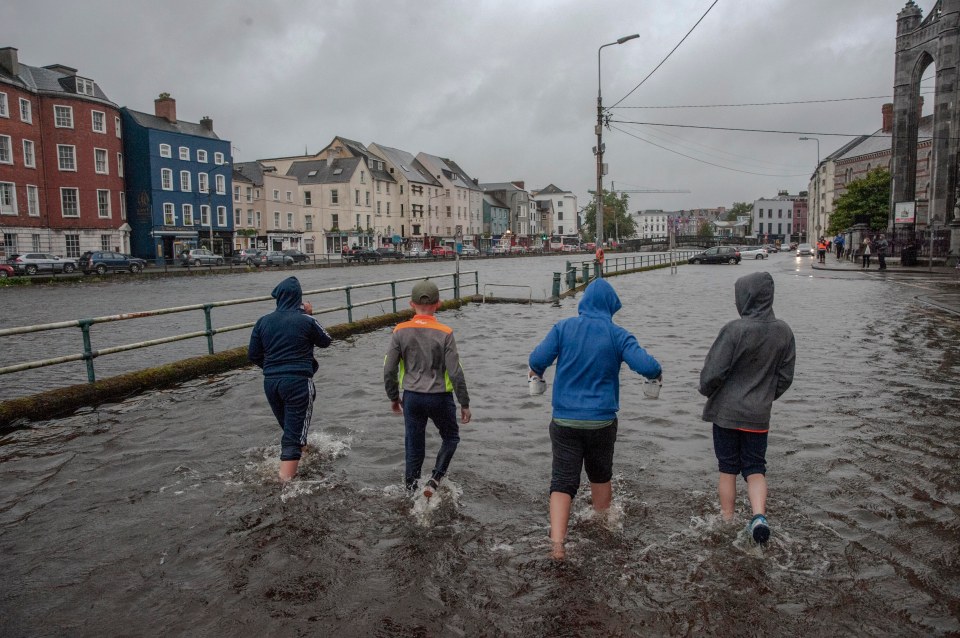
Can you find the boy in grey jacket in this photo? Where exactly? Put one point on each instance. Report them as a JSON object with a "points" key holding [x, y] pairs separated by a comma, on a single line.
{"points": [[748, 367]]}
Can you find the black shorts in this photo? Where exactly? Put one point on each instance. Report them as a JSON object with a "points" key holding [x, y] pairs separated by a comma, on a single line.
{"points": [[576, 449], [740, 452]]}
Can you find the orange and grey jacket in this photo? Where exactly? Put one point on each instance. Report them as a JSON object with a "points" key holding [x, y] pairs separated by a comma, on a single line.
{"points": [[423, 358]]}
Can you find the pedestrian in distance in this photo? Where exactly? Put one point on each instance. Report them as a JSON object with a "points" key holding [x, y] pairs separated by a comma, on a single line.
{"points": [[588, 350], [882, 246], [866, 253], [838, 243], [748, 367], [282, 344], [821, 250], [422, 360]]}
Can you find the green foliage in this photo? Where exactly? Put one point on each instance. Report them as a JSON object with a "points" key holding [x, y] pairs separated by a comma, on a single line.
{"points": [[616, 220], [739, 208], [705, 229], [869, 195]]}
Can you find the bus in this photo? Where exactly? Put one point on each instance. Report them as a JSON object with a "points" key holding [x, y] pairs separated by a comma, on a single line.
{"points": [[565, 243]]}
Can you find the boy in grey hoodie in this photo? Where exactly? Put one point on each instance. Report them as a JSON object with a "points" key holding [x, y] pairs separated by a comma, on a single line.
{"points": [[749, 366]]}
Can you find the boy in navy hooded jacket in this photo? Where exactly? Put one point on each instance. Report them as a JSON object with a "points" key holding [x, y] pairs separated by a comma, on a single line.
{"points": [[588, 350], [282, 345]]}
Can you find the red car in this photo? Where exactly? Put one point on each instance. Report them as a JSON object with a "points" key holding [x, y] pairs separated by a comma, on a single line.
{"points": [[442, 251], [6, 271]]}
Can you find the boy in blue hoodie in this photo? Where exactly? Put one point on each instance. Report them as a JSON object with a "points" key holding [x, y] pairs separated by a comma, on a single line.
{"points": [[282, 345], [588, 349], [749, 366]]}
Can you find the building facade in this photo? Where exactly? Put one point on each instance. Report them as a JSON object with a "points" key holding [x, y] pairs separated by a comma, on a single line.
{"points": [[62, 166], [773, 218], [179, 183], [273, 209], [652, 224], [564, 220]]}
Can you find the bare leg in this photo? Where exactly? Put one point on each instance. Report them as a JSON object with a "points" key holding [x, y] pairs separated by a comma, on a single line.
{"points": [[288, 469], [559, 519], [727, 490], [602, 494], [757, 491]]}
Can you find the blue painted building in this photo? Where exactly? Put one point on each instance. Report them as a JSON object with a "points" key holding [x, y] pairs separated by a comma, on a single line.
{"points": [[179, 180]]}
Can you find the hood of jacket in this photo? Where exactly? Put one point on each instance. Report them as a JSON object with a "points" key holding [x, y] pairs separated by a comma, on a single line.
{"points": [[289, 294], [754, 295], [599, 300]]}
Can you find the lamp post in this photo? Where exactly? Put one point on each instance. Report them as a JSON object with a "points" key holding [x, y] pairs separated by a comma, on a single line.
{"points": [[599, 149], [816, 202]]}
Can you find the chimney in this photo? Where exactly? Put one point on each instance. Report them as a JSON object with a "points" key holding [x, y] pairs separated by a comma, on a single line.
{"points": [[166, 107], [9, 61], [207, 123], [887, 110], [61, 68]]}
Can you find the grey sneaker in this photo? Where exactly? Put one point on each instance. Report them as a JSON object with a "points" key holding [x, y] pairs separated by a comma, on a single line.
{"points": [[430, 487]]}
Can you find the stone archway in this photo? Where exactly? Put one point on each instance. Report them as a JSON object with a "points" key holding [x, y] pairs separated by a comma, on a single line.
{"points": [[920, 43]]}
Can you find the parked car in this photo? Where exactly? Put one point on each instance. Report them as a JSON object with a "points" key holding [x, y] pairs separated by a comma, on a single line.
{"points": [[771, 248], [100, 261], [717, 255], [32, 263], [518, 250], [469, 251], [200, 257], [390, 253], [274, 258], [442, 252], [418, 253], [362, 254], [248, 256], [805, 249], [298, 256], [6, 270], [753, 252]]}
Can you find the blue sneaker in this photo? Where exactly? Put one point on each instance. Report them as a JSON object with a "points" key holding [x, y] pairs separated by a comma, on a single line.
{"points": [[759, 529]]}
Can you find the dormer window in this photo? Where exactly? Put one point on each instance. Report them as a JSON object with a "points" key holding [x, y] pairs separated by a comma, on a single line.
{"points": [[84, 86]]}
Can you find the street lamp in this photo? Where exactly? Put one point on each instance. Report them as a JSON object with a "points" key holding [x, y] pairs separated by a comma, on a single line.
{"points": [[599, 149], [816, 201]]}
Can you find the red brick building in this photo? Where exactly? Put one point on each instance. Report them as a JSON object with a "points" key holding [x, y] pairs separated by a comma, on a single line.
{"points": [[61, 162]]}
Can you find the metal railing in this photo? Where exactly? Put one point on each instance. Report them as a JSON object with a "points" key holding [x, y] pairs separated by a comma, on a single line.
{"points": [[528, 288], [89, 353]]}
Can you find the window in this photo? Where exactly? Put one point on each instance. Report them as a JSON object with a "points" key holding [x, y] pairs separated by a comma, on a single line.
{"points": [[84, 86], [116, 126], [165, 150], [388, 209], [35, 241], [378, 185], [335, 220], [203, 185], [201, 155], [166, 179], [249, 217], [307, 198], [185, 153], [236, 192], [218, 158], [66, 155], [103, 204], [6, 150], [276, 195], [204, 215], [378, 208], [187, 214], [33, 201], [104, 242], [4, 110], [26, 111], [362, 179], [63, 116], [334, 197], [10, 241], [289, 220], [123, 206], [8, 199], [308, 222], [70, 202], [221, 216], [258, 219], [221, 185], [169, 217], [120, 164], [72, 242], [276, 219], [367, 199], [249, 193], [99, 121], [100, 161], [357, 197], [289, 196], [448, 211]]}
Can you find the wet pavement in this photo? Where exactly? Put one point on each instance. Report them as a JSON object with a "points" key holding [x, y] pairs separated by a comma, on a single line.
{"points": [[160, 515]]}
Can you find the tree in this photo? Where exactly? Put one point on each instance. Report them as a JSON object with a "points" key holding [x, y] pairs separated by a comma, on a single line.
{"points": [[739, 208], [617, 222], [705, 229], [869, 197]]}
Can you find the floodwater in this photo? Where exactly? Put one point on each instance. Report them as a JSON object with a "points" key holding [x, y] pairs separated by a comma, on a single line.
{"points": [[161, 515]]}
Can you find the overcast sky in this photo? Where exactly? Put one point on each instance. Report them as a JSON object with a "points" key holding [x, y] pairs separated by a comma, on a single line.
{"points": [[508, 89]]}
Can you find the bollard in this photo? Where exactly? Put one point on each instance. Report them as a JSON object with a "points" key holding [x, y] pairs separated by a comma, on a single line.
{"points": [[556, 289]]}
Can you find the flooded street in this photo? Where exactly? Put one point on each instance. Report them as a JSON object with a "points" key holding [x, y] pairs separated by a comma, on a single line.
{"points": [[162, 516]]}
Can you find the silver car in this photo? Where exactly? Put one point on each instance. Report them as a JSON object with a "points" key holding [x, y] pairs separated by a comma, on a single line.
{"points": [[200, 257], [805, 249], [32, 263]]}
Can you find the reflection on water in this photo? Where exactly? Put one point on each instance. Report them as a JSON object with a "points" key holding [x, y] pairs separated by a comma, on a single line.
{"points": [[168, 503]]}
